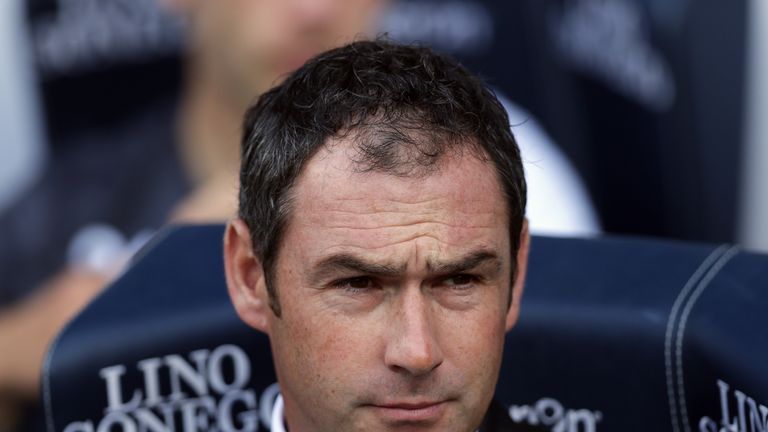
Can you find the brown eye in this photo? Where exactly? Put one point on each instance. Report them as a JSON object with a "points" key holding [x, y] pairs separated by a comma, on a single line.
{"points": [[359, 282], [355, 284], [459, 281]]}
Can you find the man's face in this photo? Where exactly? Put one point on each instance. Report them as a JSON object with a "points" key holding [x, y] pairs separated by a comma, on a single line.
{"points": [[248, 45], [394, 295]]}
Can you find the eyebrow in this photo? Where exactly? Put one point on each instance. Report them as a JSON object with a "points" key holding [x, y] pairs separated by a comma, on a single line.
{"points": [[466, 263], [329, 266]]}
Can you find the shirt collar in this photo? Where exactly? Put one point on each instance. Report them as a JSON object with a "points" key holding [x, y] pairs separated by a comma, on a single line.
{"points": [[277, 421]]}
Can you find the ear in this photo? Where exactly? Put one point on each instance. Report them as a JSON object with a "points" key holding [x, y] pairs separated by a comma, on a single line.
{"points": [[517, 286], [246, 282]]}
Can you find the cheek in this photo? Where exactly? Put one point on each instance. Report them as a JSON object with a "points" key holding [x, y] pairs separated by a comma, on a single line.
{"points": [[332, 353], [477, 344]]}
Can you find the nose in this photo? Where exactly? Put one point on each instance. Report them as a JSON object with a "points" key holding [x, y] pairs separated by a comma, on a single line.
{"points": [[413, 346]]}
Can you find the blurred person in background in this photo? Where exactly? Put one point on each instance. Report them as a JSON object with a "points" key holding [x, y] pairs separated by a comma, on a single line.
{"points": [[102, 198], [108, 189]]}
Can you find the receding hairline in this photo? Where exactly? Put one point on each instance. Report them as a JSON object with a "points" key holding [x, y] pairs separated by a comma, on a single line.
{"points": [[417, 154]]}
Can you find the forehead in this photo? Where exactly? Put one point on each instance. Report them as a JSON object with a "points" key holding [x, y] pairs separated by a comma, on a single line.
{"points": [[453, 174], [460, 201]]}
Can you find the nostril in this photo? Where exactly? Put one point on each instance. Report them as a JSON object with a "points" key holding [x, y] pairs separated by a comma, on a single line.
{"points": [[415, 351], [414, 364]]}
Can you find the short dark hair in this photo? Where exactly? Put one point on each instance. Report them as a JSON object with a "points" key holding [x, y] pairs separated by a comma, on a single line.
{"points": [[405, 106]]}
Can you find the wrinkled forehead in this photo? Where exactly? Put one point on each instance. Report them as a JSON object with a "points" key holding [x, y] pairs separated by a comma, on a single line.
{"points": [[336, 174], [447, 215]]}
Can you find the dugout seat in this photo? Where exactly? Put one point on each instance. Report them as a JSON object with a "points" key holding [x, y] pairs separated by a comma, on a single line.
{"points": [[616, 334]]}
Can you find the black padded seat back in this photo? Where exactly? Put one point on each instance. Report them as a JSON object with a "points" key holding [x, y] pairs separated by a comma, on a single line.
{"points": [[615, 335]]}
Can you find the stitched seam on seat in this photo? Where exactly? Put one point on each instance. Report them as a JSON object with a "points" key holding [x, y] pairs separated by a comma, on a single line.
{"points": [[687, 288], [48, 406], [705, 282]]}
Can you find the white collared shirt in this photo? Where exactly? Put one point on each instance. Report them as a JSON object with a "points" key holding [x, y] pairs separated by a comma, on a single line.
{"points": [[277, 422]]}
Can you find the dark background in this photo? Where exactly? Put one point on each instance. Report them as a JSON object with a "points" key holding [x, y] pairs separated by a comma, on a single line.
{"points": [[645, 96]]}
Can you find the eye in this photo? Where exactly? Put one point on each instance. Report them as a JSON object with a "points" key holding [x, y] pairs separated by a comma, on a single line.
{"points": [[356, 284], [460, 281]]}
